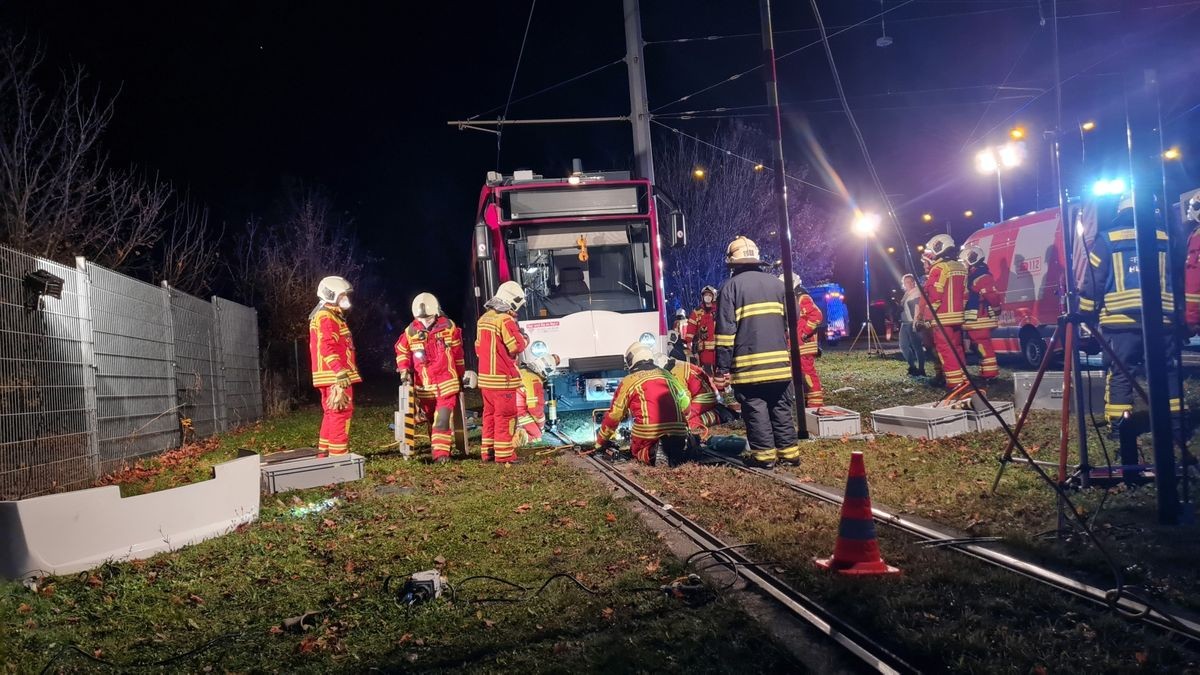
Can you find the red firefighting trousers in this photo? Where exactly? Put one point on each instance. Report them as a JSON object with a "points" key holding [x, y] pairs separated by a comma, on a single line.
{"points": [[708, 360], [947, 342], [438, 411], [335, 425], [981, 339], [814, 397], [499, 424]]}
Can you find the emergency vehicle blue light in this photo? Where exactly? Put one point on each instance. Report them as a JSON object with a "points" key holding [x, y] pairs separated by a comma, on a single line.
{"points": [[1103, 187], [539, 349]]}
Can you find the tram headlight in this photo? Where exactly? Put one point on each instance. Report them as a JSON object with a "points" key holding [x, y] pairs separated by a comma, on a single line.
{"points": [[649, 340], [539, 349]]}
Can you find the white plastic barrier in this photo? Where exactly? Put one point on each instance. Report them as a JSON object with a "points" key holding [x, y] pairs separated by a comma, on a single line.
{"points": [[75, 531]]}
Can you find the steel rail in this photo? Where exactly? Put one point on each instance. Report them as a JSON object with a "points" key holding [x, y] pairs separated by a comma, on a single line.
{"points": [[1111, 598], [869, 651]]}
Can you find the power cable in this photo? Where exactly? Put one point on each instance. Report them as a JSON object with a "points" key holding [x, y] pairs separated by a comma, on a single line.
{"points": [[996, 94], [513, 84], [552, 87]]}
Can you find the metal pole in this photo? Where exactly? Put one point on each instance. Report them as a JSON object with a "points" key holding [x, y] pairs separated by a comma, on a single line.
{"points": [[1145, 151], [999, 191], [867, 288], [784, 228], [639, 107]]}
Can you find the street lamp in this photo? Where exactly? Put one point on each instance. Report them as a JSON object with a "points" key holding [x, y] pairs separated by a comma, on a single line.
{"points": [[1172, 154], [1017, 133], [1083, 129], [994, 160], [699, 173], [865, 225], [968, 214], [928, 217]]}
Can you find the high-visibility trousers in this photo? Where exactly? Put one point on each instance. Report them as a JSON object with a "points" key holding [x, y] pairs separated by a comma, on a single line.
{"points": [[813, 395], [499, 424], [1127, 345], [768, 411], [335, 424], [645, 450], [438, 412], [708, 360], [700, 416], [981, 341], [947, 342]]}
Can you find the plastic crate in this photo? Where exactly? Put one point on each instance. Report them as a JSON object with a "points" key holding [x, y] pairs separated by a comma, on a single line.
{"points": [[1050, 393], [310, 472], [918, 422], [833, 422], [984, 420]]}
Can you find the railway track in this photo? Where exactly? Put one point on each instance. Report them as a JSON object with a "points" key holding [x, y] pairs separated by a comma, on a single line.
{"points": [[868, 651], [1121, 602]]}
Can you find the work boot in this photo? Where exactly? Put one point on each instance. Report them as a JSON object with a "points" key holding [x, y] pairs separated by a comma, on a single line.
{"points": [[912, 372], [752, 462], [444, 459], [790, 462], [660, 456], [485, 456], [921, 372], [937, 380]]}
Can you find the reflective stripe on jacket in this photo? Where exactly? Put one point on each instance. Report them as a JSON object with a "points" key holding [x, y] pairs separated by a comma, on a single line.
{"points": [[498, 341], [983, 300], [1112, 284], [433, 355], [330, 346], [752, 329], [946, 288], [654, 399]]}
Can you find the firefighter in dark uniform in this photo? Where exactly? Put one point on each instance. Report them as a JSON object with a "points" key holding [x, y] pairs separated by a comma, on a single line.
{"points": [[1111, 291], [752, 354]]}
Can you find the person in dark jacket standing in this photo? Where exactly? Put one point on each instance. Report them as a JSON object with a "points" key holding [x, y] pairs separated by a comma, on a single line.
{"points": [[752, 354]]}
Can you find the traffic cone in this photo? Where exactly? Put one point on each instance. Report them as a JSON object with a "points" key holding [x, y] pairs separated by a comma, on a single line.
{"points": [[857, 550]]}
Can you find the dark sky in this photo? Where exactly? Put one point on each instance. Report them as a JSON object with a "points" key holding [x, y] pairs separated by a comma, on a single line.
{"points": [[235, 99]]}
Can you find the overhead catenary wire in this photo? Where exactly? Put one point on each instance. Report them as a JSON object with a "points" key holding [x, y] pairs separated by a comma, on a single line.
{"points": [[552, 87], [996, 94], [513, 85]]}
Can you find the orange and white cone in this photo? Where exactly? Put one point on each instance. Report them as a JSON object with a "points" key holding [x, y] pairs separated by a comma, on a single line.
{"points": [[857, 550]]}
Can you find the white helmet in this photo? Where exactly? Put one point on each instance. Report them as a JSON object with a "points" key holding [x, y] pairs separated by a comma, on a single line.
{"points": [[937, 247], [710, 290], [511, 294], [426, 306], [797, 284], [332, 288], [1193, 209], [971, 255], [637, 353], [742, 251]]}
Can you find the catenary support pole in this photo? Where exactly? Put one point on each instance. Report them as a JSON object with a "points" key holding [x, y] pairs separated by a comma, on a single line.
{"points": [[639, 106], [784, 228]]}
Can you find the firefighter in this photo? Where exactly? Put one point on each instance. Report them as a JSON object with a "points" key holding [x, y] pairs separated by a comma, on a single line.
{"points": [[1191, 281], [498, 341], [752, 354], [946, 290], [679, 349], [702, 329], [702, 411], [429, 356], [982, 309], [658, 404], [334, 371], [809, 319], [1111, 292], [531, 398]]}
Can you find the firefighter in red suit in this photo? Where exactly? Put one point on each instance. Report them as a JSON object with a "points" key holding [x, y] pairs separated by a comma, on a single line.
{"points": [[702, 410], [429, 356], [982, 309], [1191, 280], [334, 371], [498, 342], [702, 329], [809, 320], [946, 289], [658, 404], [531, 398]]}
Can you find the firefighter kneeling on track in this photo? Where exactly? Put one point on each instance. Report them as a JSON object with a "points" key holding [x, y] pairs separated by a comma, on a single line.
{"points": [[498, 342], [752, 354], [704, 410], [334, 371], [946, 292], [429, 356], [531, 398], [982, 309], [657, 402]]}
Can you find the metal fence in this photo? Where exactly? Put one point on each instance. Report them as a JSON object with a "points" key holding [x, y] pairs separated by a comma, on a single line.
{"points": [[112, 371]]}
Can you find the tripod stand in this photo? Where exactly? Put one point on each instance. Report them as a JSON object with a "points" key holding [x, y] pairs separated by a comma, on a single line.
{"points": [[874, 344]]}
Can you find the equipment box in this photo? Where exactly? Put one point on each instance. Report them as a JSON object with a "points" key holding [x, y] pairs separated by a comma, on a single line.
{"points": [[830, 421], [917, 422], [983, 420], [1050, 393], [310, 472]]}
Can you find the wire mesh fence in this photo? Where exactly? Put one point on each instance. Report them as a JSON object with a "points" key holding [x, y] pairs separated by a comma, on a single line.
{"points": [[112, 370]]}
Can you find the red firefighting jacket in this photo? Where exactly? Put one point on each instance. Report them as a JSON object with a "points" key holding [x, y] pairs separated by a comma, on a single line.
{"points": [[654, 399], [946, 287], [330, 346], [531, 399], [498, 341], [702, 328], [1191, 280], [699, 386], [433, 355], [806, 324], [983, 300]]}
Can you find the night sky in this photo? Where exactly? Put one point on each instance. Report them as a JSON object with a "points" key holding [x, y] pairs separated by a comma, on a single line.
{"points": [[234, 100]]}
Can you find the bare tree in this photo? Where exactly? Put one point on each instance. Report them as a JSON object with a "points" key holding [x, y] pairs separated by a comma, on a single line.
{"points": [[188, 259], [731, 198]]}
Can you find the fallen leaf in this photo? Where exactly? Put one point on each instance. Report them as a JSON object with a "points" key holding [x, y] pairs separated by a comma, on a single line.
{"points": [[389, 479], [349, 567], [608, 613], [94, 581], [1142, 657], [582, 503], [24, 608], [98, 653], [193, 624], [610, 517], [488, 623], [404, 638], [329, 523], [276, 630], [439, 561], [500, 532], [558, 551], [195, 599], [523, 508], [652, 567]]}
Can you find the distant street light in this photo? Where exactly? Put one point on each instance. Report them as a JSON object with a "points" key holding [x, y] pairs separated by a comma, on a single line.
{"points": [[968, 213], [699, 173], [994, 160], [920, 248], [891, 249], [759, 167], [1083, 129], [1017, 133], [928, 217], [865, 224], [1172, 154], [1087, 126]]}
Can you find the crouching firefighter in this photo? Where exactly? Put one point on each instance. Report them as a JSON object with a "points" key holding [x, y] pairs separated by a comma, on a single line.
{"points": [[982, 309], [704, 411], [334, 371], [1111, 291], [498, 342], [531, 398], [752, 354], [658, 405], [429, 356], [946, 290]]}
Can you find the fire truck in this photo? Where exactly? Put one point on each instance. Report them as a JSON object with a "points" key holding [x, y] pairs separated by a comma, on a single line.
{"points": [[831, 300], [587, 248]]}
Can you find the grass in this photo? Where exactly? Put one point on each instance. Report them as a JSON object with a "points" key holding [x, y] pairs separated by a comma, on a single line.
{"points": [[523, 524]]}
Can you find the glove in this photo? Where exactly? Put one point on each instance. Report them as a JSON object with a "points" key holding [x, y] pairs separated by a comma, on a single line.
{"points": [[470, 379], [338, 400], [405, 378], [343, 379]]}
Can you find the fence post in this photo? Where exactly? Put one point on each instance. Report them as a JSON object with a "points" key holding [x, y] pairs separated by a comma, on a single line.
{"points": [[88, 354], [172, 365], [222, 411]]}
